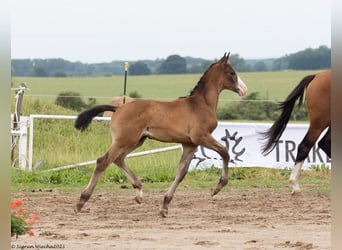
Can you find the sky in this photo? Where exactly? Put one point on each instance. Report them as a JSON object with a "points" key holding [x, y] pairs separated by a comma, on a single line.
{"points": [[105, 30]]}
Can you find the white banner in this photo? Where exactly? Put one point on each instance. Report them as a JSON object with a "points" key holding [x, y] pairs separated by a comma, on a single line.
{"points": [[244, 141]]}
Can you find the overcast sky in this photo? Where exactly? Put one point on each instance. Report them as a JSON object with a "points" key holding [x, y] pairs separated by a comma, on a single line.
{"points": [[106, 30]]}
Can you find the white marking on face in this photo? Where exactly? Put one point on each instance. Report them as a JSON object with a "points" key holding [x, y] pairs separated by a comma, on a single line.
{"points": [[242, 87]]}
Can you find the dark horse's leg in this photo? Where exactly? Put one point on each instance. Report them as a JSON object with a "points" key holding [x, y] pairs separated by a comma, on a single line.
{"points": [[325, 143], [302, 153], [188, 152]]}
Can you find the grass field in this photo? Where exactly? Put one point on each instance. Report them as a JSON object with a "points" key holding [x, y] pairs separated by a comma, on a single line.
{"points": [[270, 85]]}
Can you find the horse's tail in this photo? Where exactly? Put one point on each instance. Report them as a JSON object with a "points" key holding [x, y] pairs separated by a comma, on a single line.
{"points": [[274, 133], [84, 119]]}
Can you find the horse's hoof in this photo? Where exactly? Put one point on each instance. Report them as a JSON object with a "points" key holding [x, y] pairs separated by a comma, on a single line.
{"points": [[295, 187], [163, 212], [213, 191], [78, 207], [295, 191], [76, 210], [138, 199]]}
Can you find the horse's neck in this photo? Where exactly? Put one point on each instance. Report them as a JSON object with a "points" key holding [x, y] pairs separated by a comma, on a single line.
{"points": [[208, 90], [209, 97]]}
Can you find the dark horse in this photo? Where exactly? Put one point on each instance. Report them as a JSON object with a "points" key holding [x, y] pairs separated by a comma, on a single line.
{"points": [[318, 105], [189, 121]]}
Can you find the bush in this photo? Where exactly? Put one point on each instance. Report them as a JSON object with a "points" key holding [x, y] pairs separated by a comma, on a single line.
{"points": [[227, 112], [70, 100], [60, 74], [73, 101], [134, 94], [253, 107]]}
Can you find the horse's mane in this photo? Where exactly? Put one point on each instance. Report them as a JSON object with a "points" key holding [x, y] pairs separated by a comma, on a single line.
{"points": [[200, 83]]}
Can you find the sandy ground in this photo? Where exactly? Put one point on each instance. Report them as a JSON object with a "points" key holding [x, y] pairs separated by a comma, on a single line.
{"points": [[255, 218]]}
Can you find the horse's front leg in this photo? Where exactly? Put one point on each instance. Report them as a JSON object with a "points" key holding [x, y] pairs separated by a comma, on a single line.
{"points": [[224, 176], [188, 152], [211, 143]]}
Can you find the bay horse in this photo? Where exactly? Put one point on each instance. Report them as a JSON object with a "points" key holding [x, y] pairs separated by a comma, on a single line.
{"points": [[188, 120], [318, 105]]}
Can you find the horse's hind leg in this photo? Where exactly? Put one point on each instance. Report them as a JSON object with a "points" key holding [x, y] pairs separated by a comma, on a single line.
{"points": [[101, 164], [302, 153], [131, 177], [188, 152], [325, 143], [120, 162]]}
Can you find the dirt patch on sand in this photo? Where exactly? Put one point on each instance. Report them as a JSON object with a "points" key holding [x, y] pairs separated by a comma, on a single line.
{"points": [[255, 218]]}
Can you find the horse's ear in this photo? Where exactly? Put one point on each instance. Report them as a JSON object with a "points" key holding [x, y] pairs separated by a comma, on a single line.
{"points": [[224, 59]]}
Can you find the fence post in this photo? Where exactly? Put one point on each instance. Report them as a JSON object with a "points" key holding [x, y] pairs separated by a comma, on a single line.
{"points": [[30, 143], [19, 130], [23, 143]]}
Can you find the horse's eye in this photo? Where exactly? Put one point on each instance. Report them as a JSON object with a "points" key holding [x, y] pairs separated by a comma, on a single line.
{"points": [[232, 73]]}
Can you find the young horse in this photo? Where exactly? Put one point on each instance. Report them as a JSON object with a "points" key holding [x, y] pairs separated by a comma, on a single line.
{"points": [[189, 121], [318, 105]]}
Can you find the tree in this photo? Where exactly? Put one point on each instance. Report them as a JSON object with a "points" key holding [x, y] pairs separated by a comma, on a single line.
{"points": [[239, 63], [308, 59], [139, 68], [311, 59], [40, 72], [174, 64], [200, 68], [280, 64], [260, 66]]}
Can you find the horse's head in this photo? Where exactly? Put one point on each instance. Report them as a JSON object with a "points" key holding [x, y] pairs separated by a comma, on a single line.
{"points": [[228, 78]]}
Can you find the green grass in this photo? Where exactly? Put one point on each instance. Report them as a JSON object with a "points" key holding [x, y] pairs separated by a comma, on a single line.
{"points": [[105, 88], [271, 85], [159, 179]]}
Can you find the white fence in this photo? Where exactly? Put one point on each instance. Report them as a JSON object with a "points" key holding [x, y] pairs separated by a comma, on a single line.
{"points": [[241, 139]]}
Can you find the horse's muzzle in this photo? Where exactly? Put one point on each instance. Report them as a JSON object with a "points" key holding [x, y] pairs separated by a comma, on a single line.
{"points": [[242, 87]]}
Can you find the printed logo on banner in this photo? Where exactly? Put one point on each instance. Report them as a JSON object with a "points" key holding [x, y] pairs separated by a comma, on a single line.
{"points": [[231, 141], [287, 149]]}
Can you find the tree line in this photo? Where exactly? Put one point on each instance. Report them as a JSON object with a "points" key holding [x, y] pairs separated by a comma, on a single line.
{"points": [[308, 59]]}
